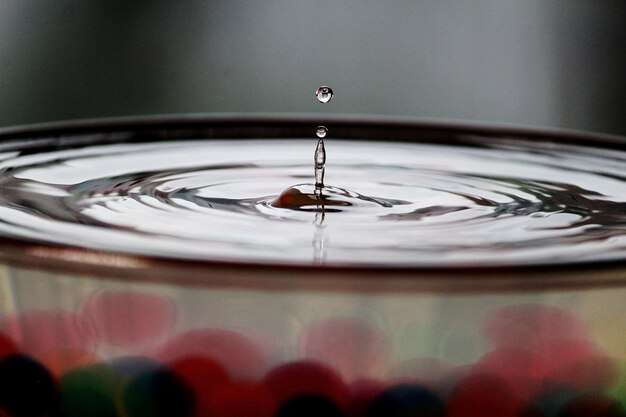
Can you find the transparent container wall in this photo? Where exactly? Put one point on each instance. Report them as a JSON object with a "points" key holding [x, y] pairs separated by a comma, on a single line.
{"points": [[539, 351]]}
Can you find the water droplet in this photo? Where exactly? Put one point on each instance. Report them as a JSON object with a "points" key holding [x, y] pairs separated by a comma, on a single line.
{"points": [[321, 131], [320, 162], [324, 94]]}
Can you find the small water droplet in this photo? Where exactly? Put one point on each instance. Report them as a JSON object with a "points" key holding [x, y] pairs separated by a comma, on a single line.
{"points": [[321, 131], [324, 94]]}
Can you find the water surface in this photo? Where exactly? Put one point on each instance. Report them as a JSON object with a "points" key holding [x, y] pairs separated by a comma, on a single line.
{"points": [[397, 204]]}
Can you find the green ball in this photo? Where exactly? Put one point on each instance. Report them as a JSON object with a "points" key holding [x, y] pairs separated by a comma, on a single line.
{"points": [[90, 391]]}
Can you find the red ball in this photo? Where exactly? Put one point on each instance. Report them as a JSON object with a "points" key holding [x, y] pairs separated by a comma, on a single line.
{"points": [[482, 396], [363, 392], [355, 348], [200, 373], [237, 399], [38, 332], [307, 378], [235, 352], [522, 369], [532, 325], [125, 318], [589, 374], [7, 346]]}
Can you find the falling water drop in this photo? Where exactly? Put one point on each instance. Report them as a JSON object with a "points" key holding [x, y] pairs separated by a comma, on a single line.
{"points": [[321, 131], [324, 94]]}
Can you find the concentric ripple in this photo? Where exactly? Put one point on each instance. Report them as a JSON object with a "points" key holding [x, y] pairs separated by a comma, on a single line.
{"points": [[384, 204]]}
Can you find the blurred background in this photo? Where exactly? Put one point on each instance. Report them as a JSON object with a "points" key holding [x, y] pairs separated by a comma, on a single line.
{"points": [[557, 63]]}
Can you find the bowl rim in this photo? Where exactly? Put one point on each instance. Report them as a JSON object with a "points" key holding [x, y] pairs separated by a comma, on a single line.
{"points": [[78, 260], [351, 121]]}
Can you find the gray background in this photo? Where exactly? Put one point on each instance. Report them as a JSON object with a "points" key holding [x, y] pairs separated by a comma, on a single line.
{"points": [[551, 63]]}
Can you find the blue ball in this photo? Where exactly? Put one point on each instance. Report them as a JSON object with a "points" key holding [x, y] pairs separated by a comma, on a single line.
{"points": [[407, 400]]}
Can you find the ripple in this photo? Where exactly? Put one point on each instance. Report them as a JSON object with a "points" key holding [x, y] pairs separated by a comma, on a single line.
{"points": [[384, 203]]}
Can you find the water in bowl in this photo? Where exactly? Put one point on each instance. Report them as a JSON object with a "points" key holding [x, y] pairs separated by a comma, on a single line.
{"points": [[384, 203]]}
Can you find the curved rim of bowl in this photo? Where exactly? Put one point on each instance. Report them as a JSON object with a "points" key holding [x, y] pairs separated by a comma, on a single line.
{"points": [[51, 256], [294, 123]]}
